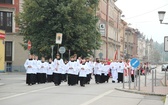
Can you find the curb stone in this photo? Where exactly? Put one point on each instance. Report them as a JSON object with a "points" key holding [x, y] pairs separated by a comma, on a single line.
{"points": [[138, 92]]}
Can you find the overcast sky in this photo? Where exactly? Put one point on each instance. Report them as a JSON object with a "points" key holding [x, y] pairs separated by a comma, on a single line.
{"points": [[143, 15]]}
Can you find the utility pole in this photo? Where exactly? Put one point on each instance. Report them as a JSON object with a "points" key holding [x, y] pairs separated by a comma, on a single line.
{"points": [[107, 25]]}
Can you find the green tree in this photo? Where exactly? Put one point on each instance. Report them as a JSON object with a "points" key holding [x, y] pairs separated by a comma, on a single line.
{"points": [[42, 19]]}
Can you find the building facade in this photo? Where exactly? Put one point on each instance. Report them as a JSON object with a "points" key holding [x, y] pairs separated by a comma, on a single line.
{"points": [[131, 43], [122, 28], [2, 51], [142, 48], [109, 15], [9, 9], [149, 50]]}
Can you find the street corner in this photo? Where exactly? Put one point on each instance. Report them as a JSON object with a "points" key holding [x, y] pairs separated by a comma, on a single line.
{"points": [[138, 92]]}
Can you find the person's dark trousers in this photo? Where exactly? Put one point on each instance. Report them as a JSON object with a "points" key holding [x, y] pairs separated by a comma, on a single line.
{"points": [[69, 79], [38, 78], [102, 78], [43, 78], [49, 78], [98, 79], [120, 77], [29, 79], [73, 79], [34, 79], [132, 77], [107, 78], [63, 77], [76, 79], [57, 79], [60, 77], [82, 81], [89, 78]]}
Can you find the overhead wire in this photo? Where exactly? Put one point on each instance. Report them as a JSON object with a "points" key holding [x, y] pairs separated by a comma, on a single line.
{"points": [[146, 12]]}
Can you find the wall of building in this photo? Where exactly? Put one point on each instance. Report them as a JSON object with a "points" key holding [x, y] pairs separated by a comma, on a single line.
{"points": [[2, 55], [18, 53], [109, 15]]}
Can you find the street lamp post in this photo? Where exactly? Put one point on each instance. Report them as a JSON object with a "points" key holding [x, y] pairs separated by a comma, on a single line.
{"points": [[52, 48], [161, 16]]}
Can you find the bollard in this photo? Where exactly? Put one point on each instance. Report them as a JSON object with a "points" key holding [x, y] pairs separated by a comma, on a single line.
{"points": [[139, 81], [155, 77], [152, 80], [123, 80], [129, 71], [145, 76], [165, 78], [134, 78]]}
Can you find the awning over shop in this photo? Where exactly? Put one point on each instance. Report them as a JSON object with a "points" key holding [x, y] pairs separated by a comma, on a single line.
{"points": [[2, 34]]}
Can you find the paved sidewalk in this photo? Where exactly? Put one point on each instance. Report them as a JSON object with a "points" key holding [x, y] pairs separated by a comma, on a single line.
{"points": [[159, 90]]}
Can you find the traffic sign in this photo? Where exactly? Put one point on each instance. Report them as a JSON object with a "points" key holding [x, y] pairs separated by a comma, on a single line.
{"points": [[102, 26], [135, 62], [100, 55], [102, 29], [166, 43], [29, 45], [62, 50]]}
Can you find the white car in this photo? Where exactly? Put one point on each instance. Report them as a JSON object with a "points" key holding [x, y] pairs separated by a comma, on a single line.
{"points": [[164, 67]]}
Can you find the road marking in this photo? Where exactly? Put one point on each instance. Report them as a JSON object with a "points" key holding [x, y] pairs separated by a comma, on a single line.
{"points": [[16, 95], [97, 97]]}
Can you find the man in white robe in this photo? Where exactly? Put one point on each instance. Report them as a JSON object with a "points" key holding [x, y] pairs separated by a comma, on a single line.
{"points": [[59, 66], [97, 71], [29, 66], [43, 70], [50, 70], [72, 68], [114, 72], [83, 73], [121, 67]]}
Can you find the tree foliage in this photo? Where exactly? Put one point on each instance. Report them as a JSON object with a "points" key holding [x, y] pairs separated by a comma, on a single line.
{"points": [[42, 19]]}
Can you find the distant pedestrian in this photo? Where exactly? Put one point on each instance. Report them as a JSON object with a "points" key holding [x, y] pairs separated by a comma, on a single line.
{"points": [[83, 72], [29, 66], [59, 66], [50, 70]]}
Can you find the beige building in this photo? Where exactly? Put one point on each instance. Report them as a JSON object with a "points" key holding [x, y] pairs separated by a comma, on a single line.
{"points": [[15, 55], [142, 48], [131, 42], [122, 29], [109, 15], [149, 50]]}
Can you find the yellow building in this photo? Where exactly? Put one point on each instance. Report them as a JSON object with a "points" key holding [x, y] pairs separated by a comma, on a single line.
{"points": [[2, 51]]}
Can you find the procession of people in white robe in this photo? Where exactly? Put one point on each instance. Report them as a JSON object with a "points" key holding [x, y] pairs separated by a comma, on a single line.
{"points": [[74, 71]]}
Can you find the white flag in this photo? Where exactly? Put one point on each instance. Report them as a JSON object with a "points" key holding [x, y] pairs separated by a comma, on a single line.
{"points": [[58, 38]]}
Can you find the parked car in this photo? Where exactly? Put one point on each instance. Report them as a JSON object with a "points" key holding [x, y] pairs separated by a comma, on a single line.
{"points": [[164, 67]]}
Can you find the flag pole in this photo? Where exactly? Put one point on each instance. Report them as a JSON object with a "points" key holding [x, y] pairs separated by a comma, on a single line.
{"points": [[57, 49]]}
